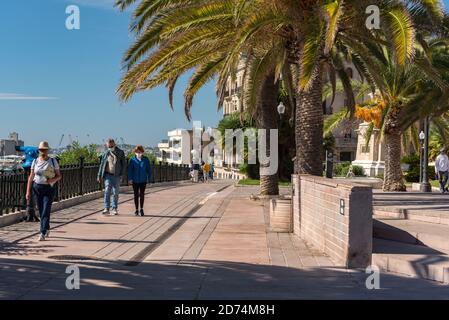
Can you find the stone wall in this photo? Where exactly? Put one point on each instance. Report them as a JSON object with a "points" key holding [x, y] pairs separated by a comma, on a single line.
{"points": [[335, 217]]}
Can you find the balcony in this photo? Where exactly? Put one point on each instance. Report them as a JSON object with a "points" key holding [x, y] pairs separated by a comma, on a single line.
{"points": [[342, 142]]}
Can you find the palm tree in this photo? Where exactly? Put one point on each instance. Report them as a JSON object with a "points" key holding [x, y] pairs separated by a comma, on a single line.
{"points": [[210, 59], [405, 94], [314, 37]]}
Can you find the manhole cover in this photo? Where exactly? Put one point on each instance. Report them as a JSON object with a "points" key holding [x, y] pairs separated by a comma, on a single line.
{"points": [[71, 257]]}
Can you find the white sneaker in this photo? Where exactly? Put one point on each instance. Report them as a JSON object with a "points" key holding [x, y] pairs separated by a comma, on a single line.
{"points": [[105, 211], [47, 234], [41, 237], [114, 212]]}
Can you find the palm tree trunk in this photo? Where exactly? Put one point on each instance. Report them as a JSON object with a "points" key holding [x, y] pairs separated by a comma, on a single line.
{"points": [[268, 119], [309, 128], [393, 178]]}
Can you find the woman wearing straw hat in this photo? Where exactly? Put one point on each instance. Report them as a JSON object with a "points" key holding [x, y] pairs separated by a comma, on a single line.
{"points": [[43, 176]]}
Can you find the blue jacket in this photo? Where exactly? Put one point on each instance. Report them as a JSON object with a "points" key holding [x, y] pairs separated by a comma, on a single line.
{"points": [[139, 171], [30, 154]]}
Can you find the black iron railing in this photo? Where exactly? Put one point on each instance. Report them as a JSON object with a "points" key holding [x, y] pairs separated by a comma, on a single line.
{"points": [[77, 180]]}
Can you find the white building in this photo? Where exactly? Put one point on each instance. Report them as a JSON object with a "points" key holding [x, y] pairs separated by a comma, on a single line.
{"points": [[8, 146], [346, 134], [176, 149], [234, 90]]}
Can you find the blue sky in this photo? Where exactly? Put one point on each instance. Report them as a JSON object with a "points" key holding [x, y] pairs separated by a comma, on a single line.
{"points": [[54, 81]]}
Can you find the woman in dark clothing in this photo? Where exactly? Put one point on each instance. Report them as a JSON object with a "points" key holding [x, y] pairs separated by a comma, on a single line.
{"points": [[139, 174]]}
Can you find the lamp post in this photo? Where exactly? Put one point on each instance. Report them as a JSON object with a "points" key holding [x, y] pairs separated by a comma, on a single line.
{"points": [[281, 109], [424, 137]]}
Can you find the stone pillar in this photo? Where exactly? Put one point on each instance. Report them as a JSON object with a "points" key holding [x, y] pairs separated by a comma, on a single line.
{"points": [[371, 156]]}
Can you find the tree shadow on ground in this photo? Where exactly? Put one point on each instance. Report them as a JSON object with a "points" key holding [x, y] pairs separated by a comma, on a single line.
{"points": [[103, 279]]}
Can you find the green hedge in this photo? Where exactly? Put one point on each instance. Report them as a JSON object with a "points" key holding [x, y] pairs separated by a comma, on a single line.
{"points": [[342, 169], [251, 170], [412, 175]]}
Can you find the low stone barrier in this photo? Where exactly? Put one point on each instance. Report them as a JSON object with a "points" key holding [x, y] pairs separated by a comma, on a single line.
{"points": [[335, 217]]}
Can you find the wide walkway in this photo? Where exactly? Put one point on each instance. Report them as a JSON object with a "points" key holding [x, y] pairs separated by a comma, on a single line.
{"points": [[197, 241]]}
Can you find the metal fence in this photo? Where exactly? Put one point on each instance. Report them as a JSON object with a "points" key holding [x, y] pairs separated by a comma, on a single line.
{"points": [[77, 180]]}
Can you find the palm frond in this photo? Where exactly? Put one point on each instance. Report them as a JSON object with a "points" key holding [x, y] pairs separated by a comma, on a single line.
{"points": [[334, 121], [402, 34]]}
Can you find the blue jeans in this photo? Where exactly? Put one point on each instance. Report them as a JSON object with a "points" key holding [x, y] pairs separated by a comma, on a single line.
{"points": [[44, 197], [111, 184]]}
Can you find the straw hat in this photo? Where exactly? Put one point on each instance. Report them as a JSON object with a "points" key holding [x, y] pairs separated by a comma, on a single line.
{"points": [[43, 145]]}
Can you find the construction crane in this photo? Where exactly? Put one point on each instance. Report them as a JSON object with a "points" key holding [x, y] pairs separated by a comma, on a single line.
{"points": [[60, 141]]}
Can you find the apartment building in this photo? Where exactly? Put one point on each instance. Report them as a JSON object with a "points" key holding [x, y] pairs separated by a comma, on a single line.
{"points": [[345, 135], [8, 146], [177, 148]]}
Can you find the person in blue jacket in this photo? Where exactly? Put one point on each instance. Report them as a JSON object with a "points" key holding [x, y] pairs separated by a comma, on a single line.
{"points": [[30, 153], [139, 174]]}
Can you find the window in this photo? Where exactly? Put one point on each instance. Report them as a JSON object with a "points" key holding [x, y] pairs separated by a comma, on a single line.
{"points": [[235, 104], [346, 156]]}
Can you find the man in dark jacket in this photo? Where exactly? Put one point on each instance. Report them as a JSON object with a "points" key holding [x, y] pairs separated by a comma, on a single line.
{"points": [[112, 169], [30, 153]]}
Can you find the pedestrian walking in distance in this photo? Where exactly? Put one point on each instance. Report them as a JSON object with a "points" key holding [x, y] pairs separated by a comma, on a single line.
{"points": [[139, 174], [206, 171], [112, 169], [441, 169], [212, 171], [44, 174]]}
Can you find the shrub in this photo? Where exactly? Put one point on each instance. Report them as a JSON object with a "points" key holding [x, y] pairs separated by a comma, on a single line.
{"points": [[412, 175], [341, 169], [251, 170], [358, 171], [73, 154]]}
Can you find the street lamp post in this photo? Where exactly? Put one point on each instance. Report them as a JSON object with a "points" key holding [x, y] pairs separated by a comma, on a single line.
{"points": [[422, 135], [281, 111], [425, 185]]}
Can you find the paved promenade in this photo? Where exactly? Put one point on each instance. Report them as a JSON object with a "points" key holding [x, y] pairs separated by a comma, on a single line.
{"points": [[197, 241]]}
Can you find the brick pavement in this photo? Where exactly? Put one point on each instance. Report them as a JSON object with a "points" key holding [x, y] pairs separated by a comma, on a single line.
{"points": [[202, 241]]}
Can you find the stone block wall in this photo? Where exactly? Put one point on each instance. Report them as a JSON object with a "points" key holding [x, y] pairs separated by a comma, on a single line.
{"points": [[335, 217]]}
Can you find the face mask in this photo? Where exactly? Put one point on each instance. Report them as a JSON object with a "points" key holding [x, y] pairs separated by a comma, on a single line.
{"points": [[139, 155], [111, 148]]}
